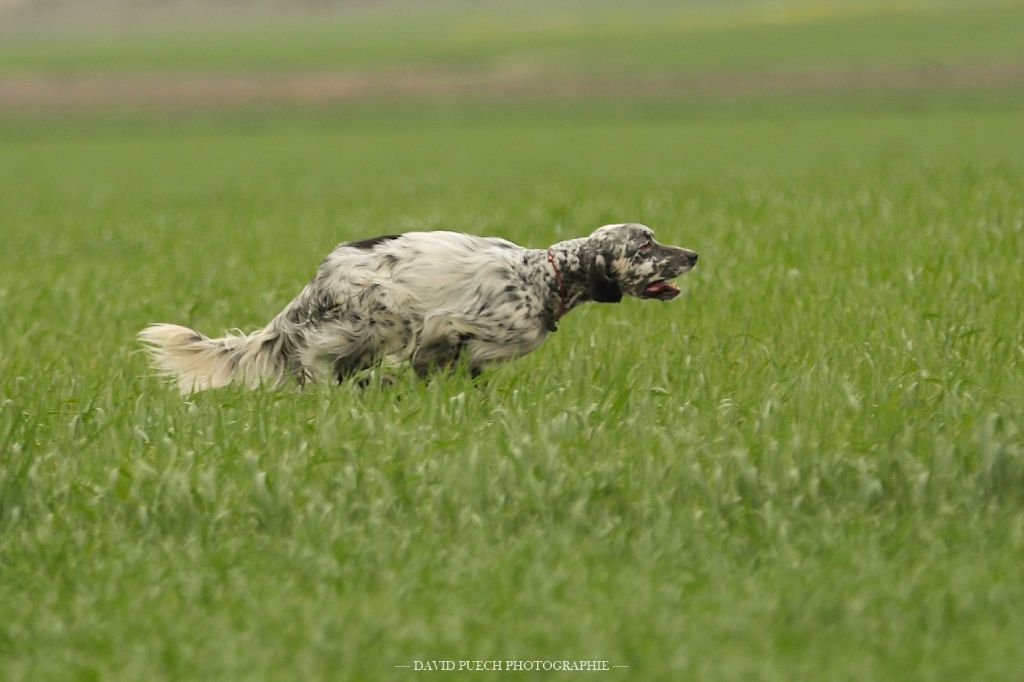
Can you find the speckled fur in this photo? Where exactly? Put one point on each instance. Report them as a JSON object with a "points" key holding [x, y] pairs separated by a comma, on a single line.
{"points": [[427, 298]]}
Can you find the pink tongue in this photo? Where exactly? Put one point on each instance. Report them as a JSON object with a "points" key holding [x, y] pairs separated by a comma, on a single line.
{"points": [[661, 289]]}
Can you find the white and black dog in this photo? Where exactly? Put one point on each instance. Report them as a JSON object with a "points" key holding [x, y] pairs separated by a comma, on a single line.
{"points": [[428, 298]]}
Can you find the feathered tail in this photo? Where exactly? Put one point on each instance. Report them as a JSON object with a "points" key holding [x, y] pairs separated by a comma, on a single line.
{"points": [[199, 363]]}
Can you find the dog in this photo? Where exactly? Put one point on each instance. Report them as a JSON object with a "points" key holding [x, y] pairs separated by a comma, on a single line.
{"points": [[431, 299]]}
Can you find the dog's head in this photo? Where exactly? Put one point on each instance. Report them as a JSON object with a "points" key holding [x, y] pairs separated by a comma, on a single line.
{"points": [[627, 260]]}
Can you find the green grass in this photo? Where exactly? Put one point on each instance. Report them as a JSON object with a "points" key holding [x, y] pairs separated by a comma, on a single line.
{"points": [[810, 466]]}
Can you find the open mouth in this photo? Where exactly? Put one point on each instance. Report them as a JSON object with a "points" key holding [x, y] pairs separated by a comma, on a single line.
{"points": [[661, 290]]}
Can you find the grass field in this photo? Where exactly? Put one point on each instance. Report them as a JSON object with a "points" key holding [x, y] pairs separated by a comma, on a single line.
{"points": [[810, 466]]}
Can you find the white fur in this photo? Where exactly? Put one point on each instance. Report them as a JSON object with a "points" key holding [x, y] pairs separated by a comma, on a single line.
{"points": [[427, 298]]}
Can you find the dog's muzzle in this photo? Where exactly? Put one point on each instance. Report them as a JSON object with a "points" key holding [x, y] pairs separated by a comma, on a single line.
{"points": [[678, 261]]}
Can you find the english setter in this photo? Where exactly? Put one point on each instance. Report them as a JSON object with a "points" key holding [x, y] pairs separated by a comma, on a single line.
{"points": [[432, 299]]}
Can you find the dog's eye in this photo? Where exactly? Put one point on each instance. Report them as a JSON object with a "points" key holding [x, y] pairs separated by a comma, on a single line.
{"points": [[645, 246]]}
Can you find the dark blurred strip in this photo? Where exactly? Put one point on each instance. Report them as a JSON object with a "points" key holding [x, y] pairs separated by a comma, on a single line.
{"points": [[39, 93]]}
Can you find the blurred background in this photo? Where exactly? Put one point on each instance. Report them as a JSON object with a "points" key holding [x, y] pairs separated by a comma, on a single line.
{"points": [[89, 55]]}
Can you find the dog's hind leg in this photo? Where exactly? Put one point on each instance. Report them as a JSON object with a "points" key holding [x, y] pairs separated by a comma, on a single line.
{"points": [[441, 343], [439, 355], [347, 366], [338, 350]]}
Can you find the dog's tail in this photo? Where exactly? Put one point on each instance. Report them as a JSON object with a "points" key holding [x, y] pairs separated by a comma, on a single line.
{"points": [[199, 363]]}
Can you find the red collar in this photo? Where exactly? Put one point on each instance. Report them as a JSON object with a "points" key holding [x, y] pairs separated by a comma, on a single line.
{"points": [[561, 286]]}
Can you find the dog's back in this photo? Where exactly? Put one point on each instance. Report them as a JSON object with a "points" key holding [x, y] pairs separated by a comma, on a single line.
{"points": [[369, 299]]}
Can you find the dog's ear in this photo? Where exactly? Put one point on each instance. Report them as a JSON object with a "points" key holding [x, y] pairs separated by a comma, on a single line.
{"points": [[603, 287]]}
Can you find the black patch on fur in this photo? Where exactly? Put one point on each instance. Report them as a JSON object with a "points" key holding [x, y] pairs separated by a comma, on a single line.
{"points": [[601, 285], [295, 315], [367, 244], [346, 367]]}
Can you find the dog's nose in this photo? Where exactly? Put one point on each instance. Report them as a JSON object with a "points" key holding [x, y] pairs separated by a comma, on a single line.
{"points": [[693, 258]]}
